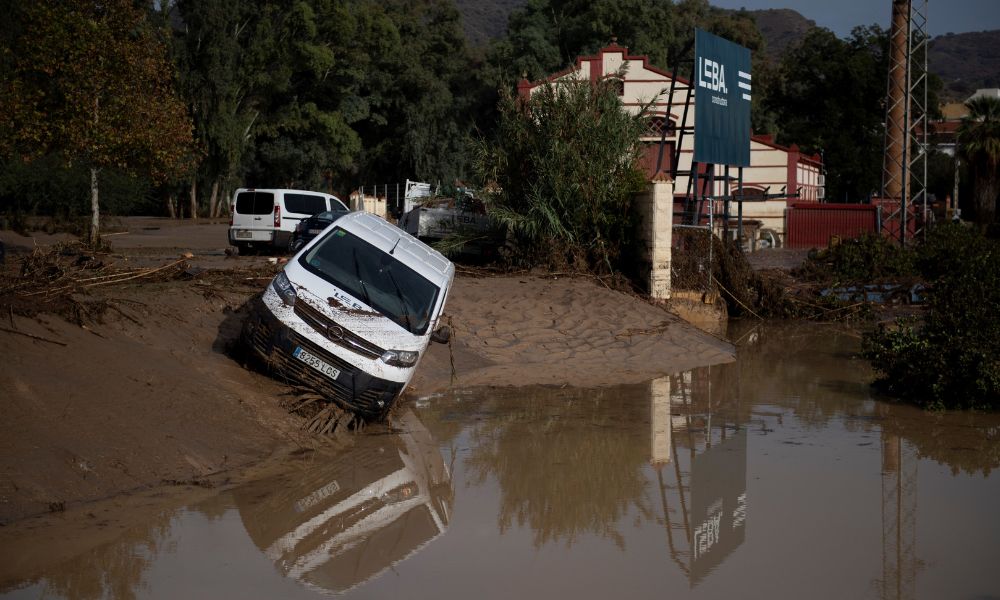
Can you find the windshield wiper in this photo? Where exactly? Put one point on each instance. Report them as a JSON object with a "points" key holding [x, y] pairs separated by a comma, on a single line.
{"points": [[357, 272], [402, 301]]}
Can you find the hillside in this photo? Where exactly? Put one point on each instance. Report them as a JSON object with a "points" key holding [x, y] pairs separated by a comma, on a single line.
{"points": [[966, 61], [782, 28]]}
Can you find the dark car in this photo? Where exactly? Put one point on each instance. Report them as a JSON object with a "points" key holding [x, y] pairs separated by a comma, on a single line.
{"points": [[309, 228]]}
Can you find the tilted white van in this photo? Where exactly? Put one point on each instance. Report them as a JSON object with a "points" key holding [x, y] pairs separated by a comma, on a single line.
{"points": [[352, 313], [267, 217]]}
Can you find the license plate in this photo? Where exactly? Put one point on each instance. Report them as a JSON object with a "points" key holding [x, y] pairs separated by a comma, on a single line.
{"points": [[315, 231], [243, 234], [316, 363]]}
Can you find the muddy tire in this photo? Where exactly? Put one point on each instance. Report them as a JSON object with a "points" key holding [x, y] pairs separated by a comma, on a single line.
{"points": [[295, 245]]}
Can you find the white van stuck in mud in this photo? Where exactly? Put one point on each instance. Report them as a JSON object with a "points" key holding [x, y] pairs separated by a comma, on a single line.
{"points": [[352, 313]]}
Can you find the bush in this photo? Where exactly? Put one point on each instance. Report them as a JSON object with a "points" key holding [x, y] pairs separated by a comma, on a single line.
{"points": [[952, 359], [564, 168], [947, 247], [867, 258], [746, 291]]}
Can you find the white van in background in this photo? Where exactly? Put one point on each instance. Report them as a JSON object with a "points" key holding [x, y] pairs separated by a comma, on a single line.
{"points": [[267, 217], [352, 313]]}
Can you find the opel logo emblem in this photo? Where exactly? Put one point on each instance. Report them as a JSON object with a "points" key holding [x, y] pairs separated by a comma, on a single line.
{"points": [[335, 332]]}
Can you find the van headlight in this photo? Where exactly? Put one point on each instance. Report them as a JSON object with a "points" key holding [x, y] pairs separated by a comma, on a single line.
{"points": [[400, 358], [284, 289]]}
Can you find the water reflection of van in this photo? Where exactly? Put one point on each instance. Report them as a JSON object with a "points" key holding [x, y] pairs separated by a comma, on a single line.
{"points": [[353, 312], [338, 523]]}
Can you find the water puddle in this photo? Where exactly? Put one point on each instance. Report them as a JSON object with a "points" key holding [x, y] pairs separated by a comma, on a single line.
{"points": [[780, 475]]}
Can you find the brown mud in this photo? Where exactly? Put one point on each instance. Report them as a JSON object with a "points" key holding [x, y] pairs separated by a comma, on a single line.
{"points": [[153, 391]]}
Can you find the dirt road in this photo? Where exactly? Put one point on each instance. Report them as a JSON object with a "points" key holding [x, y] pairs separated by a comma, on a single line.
{"points": [[151, 392]]}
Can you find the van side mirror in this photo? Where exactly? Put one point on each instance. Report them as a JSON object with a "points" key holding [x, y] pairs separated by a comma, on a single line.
{"points": [[441, 335]]}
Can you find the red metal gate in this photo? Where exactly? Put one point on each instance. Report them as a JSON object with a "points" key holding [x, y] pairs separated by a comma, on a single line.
{"points": [[812, 224]]}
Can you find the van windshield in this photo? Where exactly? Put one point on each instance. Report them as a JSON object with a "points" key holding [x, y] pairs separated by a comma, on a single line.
{"points": [[374, 277]]}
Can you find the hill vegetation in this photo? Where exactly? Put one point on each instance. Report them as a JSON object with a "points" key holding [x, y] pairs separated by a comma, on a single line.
{"points": [[964, 61], [782, 28]]}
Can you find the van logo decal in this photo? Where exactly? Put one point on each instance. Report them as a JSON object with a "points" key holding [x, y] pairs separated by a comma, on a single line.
{"points": [[346, 304]]}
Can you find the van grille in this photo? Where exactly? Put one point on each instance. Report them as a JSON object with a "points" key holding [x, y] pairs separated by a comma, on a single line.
{"points": [[262, 340], [337, 334]]}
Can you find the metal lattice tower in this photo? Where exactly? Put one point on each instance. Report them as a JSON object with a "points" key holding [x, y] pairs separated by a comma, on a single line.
{"points": [[904, 166]]}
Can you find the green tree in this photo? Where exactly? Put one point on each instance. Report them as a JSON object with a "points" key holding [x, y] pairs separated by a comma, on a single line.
{"points": [[302, 134], [410, 88], [564, 165], [979, 141], [318, 91], [831, 99], [547, 35], [91, 82], [221, 81]]}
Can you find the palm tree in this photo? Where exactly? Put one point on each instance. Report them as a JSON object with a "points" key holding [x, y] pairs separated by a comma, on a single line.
{"points": [[979, 140]]}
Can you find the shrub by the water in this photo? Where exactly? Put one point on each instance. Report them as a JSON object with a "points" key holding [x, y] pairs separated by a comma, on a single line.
{"points": [[562, 171], [952, 358]]}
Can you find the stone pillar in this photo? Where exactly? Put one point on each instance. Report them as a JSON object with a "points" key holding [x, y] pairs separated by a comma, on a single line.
{"points": [[655, 207]]}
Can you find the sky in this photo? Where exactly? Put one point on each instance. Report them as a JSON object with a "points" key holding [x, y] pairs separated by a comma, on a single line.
{"points": [[840, 16]]}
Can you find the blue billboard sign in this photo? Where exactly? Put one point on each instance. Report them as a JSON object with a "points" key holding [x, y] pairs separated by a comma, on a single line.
{"points": [[723, 87]]}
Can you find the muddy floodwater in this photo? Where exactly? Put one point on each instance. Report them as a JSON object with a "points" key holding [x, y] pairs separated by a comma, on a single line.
{"points": [[781, 475]]}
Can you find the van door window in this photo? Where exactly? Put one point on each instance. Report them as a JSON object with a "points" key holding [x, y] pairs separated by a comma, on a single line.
{"points": [[305, 204], [263, 203], [254, 203]]}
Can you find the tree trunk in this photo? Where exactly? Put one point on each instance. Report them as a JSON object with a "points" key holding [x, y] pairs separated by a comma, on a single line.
{"points": [[987, 185], [213, 201], [95, 206], [194, 199], [95, 209], [171, 206]]}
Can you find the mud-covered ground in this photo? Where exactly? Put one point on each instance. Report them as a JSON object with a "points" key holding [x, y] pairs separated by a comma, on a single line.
{"points": [[153, 393]]}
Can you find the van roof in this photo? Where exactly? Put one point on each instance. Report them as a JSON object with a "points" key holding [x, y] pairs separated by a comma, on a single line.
{"points": [[284, 190], [407, 249]]}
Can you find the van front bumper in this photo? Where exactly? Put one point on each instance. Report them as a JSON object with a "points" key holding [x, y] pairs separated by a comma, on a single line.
{"points": [[353, 389]]}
